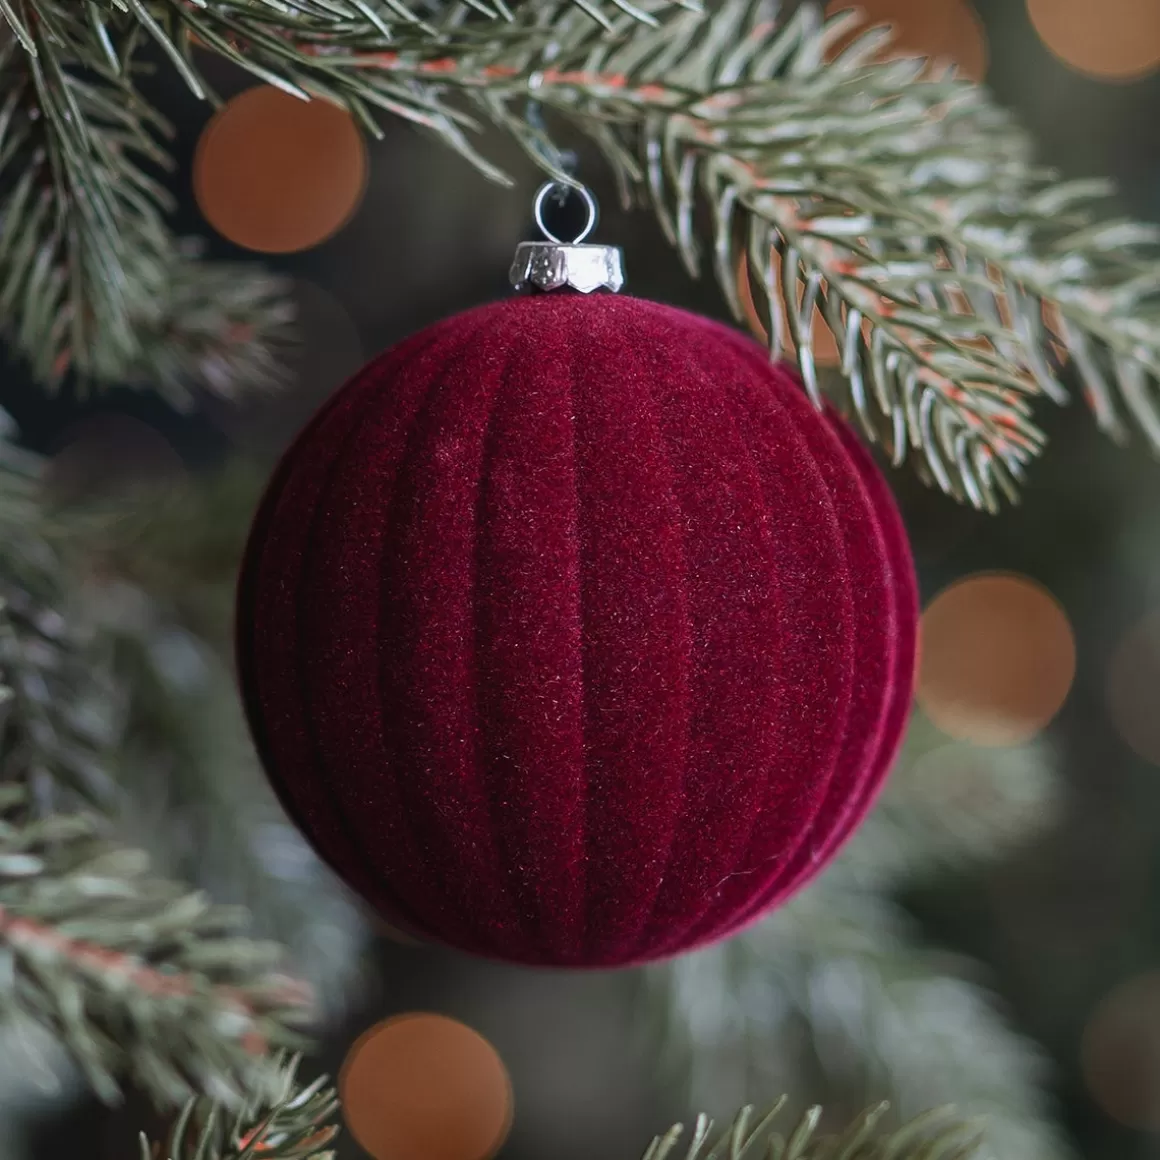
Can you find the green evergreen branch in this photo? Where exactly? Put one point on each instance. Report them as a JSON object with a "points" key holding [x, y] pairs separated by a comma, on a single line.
{"points": [[905, 211], [831, 993], [58, 711], [295, 1124], [935, 1135], [221, 326], [140, 979], [903, 207], [91, 280], [73, 198]]}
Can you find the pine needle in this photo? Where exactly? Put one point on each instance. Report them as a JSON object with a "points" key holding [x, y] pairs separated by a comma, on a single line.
{"points": [[899, 206]]}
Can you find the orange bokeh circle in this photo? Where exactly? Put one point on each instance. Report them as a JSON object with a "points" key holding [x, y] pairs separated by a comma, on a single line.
{"points": [[996, 661], [107, 454], [426, 1087], [277, 174], [941, 29], [1120, 1053], [1107, 39]]}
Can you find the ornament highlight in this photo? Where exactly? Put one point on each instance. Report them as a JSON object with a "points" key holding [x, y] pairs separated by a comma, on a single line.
{"points": [[572, 635]]}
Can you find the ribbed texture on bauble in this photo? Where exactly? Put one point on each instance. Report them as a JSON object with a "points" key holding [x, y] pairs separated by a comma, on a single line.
{"points": [[570, 634]]}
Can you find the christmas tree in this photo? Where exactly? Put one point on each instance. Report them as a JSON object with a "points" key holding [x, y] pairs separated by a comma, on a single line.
{"points": [[834, 191]]}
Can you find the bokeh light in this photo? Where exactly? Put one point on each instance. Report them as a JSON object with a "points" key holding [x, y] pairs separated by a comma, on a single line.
{"points": [[1121, 1053], [425, 1087], [826, 353], [278, 174], [945, 30], [1134, 688], [997, 659], [107, 455], [1108, 39]]}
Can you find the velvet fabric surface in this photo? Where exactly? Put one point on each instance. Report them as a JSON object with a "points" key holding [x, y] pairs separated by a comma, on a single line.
{"points": [[570, 634]]}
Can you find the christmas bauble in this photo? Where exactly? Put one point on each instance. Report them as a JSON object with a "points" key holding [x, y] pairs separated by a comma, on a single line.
{"points": [[571, 634]]}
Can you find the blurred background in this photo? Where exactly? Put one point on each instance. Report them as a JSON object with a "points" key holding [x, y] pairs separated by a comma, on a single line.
{"points": [[992, 938]]}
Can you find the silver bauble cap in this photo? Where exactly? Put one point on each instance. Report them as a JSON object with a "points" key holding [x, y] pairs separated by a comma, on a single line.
{"points": [[557, 264]]}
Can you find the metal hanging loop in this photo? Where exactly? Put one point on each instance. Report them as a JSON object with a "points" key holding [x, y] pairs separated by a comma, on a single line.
{"points": [[561, 264], [561, 190]]}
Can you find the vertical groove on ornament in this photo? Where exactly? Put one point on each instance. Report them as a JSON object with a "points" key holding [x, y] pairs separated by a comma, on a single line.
{"points": [[634, 933], [360, 573], [351, 563], [523, 554], [318, 816], [847, 802], [302, 796], [633, 609], [587, 851], [680, 717], [479, 733], [365, 503], [353, 843], [729, 539], [851, 511], [842, 817], [434, 717], [789, 542], [899, 693], [876, 617], [871, 618]]}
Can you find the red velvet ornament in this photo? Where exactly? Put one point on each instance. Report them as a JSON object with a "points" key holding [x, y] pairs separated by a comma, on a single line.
{"points": [[571, 634]]}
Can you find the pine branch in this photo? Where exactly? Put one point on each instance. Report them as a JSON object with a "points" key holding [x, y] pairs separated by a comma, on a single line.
{"points": [[221, 326], [903, 207], [58, 711], [898, 203], [829, 165], [141, 980], [937, 1135], [156, 585], [91, 280], [293, 1124]]}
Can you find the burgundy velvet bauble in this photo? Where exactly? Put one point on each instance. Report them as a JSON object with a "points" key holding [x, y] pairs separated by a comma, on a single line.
{"points": [[571, 634]]}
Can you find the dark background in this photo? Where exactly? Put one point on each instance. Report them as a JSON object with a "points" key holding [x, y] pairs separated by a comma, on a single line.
{"points": [[1057, 926]]}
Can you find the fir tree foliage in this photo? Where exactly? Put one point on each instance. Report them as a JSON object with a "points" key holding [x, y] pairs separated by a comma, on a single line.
{"points": [[895, 201], [297, 1122], [965, 285], [118, 729]]}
